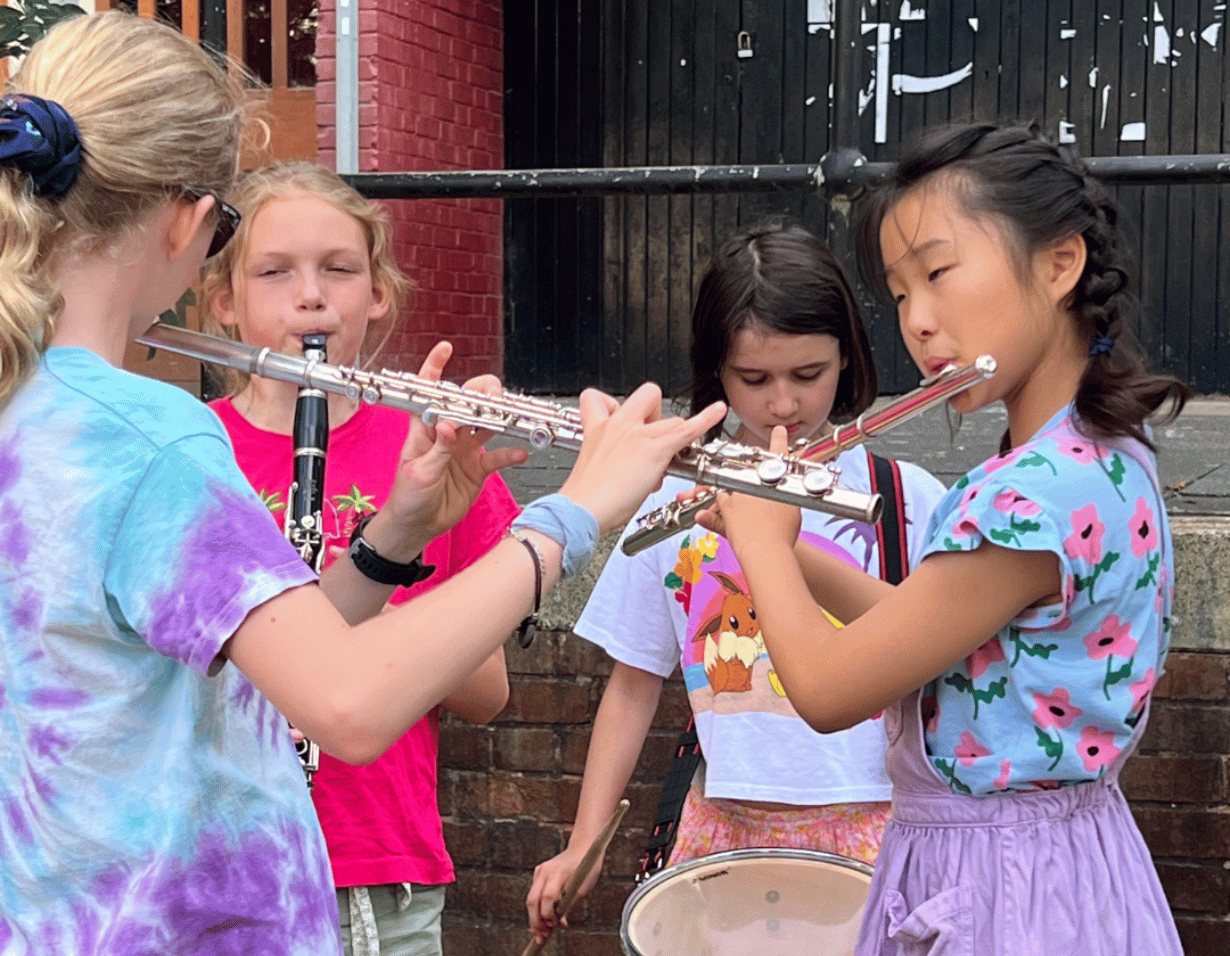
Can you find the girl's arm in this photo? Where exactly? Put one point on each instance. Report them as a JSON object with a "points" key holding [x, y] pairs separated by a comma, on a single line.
{"points": [[481, 696], [355, 690], [947, 608], [440, 473], [620, 728], [842, 590]]}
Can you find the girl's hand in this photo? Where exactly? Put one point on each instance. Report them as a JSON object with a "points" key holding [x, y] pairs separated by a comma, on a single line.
{"points": [[744, 518], [442, 468], [550, 876], [626, 450]]}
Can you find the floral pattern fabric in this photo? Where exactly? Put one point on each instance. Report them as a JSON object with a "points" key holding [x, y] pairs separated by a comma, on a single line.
{"points": [[1075, 674]]}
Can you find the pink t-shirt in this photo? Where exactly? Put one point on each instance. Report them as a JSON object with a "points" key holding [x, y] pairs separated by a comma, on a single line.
{"points": [[381, 822]]}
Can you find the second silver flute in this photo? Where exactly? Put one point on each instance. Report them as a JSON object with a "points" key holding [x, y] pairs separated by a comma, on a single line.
{"points": [[541, 423], [664, 522]]}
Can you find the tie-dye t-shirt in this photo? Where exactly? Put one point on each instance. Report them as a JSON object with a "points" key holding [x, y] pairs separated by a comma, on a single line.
{"points": [[684, 603], [1056, 697], [150, 798]]}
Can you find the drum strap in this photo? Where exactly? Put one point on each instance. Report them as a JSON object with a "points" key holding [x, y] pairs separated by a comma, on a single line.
{"points": [[894, 566]]}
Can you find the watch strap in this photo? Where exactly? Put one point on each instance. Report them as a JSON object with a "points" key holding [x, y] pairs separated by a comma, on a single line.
{"points": [[381, 570]]}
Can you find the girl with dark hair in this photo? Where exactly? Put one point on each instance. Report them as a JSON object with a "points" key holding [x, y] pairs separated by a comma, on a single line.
{"points": [[776, 334], [1017, 662]]}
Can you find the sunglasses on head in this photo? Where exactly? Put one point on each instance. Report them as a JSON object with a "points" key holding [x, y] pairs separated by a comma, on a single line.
{"points": [[228, 219]]}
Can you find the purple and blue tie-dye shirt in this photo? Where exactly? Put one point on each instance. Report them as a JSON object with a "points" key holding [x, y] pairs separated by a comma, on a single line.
{"points": [[150, 798]]}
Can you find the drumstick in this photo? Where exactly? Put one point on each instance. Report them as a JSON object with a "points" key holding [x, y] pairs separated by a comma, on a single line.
{"points": [[596, 849]]}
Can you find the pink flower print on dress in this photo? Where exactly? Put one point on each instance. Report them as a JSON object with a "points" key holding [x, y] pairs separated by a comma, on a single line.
{"points": [[1140, 692], [1079, 450], [969, 750], [1055, 709], [978, 662], [1097, 748], [1085, 541], [1012, 502], [1114, 637], [992, 465], [1144, 530]]}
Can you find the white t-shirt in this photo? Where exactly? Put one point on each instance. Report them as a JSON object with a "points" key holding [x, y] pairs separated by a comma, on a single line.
{"points": [[685, 602]]}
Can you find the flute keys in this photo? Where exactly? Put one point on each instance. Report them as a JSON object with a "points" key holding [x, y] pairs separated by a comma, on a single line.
{"points": [[771, 471], [819, 481], [541, 437]]}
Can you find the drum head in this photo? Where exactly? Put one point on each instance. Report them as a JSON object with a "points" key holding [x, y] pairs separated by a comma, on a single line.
{"points": [[749, 903]]}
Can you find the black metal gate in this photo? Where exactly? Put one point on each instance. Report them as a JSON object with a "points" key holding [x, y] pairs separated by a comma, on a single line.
{"points": [[599, 291]]}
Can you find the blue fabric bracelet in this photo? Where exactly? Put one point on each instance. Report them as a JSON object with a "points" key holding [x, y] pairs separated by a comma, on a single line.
{"points": [[564, 521]]}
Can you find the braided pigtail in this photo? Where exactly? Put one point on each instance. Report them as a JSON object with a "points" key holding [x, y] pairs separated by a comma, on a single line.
{"points": [[1117, 392]]}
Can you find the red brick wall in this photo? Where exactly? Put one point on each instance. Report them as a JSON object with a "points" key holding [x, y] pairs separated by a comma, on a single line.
{"points": [[1179, 788], [508, 793], [431, 98]]}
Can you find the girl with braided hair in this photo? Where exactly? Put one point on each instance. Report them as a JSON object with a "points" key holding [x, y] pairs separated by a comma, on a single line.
{"points": [[1015, 665]]}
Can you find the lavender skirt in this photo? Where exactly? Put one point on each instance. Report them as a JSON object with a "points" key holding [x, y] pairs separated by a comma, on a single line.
{"points": [[1051, 873]]}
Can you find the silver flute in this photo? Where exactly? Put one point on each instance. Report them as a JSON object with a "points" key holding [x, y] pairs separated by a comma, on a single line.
{"points": [[664, 522], [536, 421]]}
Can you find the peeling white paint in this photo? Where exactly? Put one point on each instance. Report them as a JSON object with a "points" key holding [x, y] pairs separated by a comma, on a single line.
{"points": [[882, 69], [929, 84], [1065, 132], [1093, 78], [1067, 34], [1133, 133], [1161, 45], [908, 14], [1210, 35], [1063, 82], [819, 14]]}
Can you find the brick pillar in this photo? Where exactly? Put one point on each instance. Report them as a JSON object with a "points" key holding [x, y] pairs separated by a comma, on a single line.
{"points": [[431, 98]]}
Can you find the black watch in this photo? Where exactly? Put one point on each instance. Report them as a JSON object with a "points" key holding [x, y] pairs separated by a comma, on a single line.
{"points": [[381, 570]]}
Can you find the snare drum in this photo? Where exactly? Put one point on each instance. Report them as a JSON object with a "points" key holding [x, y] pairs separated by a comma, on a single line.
{"points": [[770, 902]]}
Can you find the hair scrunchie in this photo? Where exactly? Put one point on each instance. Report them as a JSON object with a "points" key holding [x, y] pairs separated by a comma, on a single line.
{"points": [[1102, 345], [38, 137]]}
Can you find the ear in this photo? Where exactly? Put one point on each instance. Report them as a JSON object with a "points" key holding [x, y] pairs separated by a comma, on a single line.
{"points": [[187, 219], [1061, 265], [382, 301], [222, 304]]}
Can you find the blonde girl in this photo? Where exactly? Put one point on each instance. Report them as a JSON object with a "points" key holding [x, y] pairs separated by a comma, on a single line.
{"points": [[156, 624], [314, 256]]}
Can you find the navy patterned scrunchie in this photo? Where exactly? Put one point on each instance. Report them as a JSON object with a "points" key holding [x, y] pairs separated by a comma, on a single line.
{"points": [[38, 137]]}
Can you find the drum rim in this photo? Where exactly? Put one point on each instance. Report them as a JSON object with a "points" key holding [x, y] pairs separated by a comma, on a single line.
{"points": [[730, 856]]}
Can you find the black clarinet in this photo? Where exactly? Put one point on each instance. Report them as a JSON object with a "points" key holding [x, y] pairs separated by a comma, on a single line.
{"points": [[304, 522]]}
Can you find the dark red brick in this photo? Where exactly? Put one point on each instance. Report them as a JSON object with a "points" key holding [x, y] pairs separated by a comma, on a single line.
{"points": [[1175, 778], [1199, 888]]}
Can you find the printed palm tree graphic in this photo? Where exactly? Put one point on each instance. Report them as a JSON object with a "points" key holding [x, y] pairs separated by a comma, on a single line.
{"points": [[354, 499]]}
